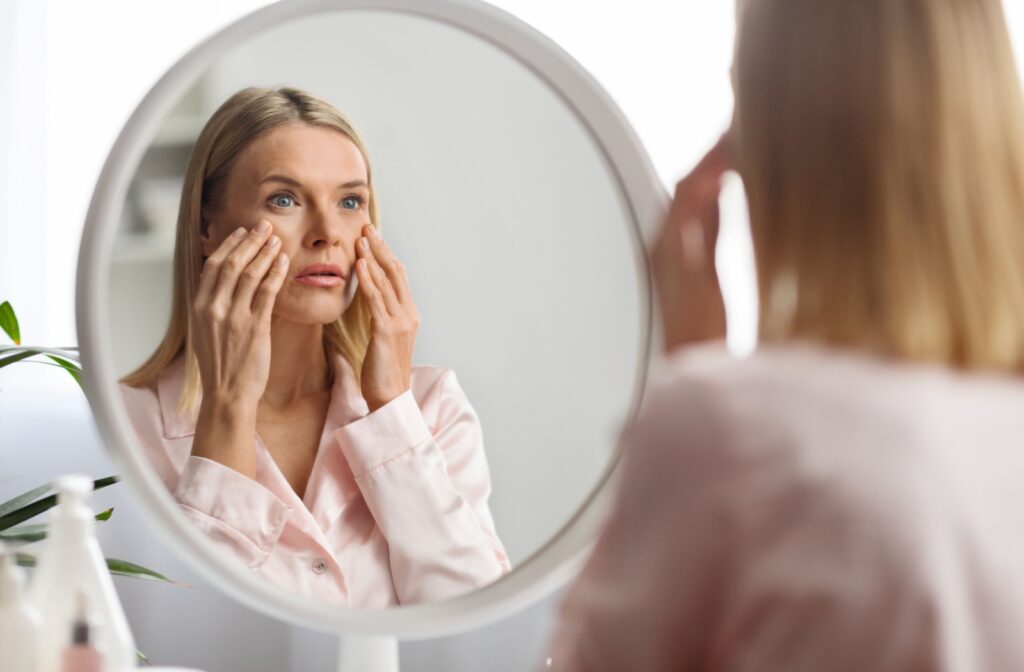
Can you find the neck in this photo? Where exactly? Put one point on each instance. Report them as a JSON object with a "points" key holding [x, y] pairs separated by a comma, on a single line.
{"points": [[298, 363]]}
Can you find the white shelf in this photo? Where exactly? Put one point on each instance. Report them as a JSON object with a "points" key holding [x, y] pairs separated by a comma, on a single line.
{"points": [[179, 131], [143, 248]]}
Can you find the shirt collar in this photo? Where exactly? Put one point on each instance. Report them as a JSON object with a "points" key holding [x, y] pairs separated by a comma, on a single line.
{"points": [[346, 405]]}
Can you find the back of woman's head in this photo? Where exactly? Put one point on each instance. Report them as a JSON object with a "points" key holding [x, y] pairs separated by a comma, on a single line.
{"points": [[881, 143]]}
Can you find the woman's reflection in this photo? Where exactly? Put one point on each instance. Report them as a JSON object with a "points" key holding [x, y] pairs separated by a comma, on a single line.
{"points": [[282, 408]]}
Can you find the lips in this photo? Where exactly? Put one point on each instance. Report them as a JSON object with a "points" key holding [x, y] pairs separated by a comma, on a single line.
{"points": [[321, 275], [321, 270]]}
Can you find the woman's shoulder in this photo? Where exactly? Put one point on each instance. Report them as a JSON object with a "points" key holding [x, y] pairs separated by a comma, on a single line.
{"points": [[798, 412], [825, 421]]}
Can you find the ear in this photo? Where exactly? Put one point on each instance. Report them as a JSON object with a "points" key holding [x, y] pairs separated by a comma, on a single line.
{"points": [[207, 229]]}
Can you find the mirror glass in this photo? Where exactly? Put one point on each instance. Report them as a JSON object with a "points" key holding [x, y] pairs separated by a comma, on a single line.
{"points": [[520, 255]]}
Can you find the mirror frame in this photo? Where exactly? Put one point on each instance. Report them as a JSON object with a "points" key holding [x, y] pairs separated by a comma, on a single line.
{"points": [[558, 559]]}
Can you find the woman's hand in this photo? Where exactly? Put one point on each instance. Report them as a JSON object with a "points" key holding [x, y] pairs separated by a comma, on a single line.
{"points": [[683, 256], [382, 280], [231, 316]]}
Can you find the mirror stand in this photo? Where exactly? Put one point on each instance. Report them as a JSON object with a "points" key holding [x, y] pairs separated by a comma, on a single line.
{"points": [[366, 653]]}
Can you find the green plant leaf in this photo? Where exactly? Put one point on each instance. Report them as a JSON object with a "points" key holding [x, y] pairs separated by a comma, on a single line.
{"points": [[29, 534], [130, 569], [17, 357], [33, 509], [70, 367], [118, 567], [142, 658], [9, 322], [25, 533], [23, 499]]}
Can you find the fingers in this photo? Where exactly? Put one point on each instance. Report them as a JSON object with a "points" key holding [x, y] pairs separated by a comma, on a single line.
{"points": [[373, 295], [208, 274], [266, 294], [385, 259], [231, 266], [384, 284], [378, 278], [705, 180], [254, 272]]}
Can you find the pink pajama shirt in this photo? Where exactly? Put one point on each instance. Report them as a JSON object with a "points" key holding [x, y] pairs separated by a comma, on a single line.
{"points": [[809, 509], [395, 509]]}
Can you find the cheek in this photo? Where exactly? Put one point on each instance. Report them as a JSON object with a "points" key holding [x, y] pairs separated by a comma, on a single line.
{"points": [[289, 241]]}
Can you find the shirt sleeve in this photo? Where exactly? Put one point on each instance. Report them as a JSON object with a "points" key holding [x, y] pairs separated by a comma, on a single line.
{"points": [[427, 489], [232, 510]]}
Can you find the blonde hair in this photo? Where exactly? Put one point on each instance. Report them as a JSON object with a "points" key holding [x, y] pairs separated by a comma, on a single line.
{"points": [[881, 144], [237, 122]]}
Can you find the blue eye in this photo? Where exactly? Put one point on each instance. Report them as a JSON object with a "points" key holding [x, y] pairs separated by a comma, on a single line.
{"points": [[352, 202], [287, 199]]}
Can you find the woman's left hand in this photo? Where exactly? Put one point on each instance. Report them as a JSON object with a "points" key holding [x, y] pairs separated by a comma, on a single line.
{"points": [[384, 285], [683, 256]]}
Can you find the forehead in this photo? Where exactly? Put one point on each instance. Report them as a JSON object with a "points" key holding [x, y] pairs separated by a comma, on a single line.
{"points": [[312, 155]]}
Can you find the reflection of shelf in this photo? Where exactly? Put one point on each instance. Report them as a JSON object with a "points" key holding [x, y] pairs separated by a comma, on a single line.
{"points": [[143, 249], [158, 200], [179, 130]]}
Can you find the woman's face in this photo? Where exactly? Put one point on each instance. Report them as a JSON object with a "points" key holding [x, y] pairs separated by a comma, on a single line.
{"points": [[310, 183]]}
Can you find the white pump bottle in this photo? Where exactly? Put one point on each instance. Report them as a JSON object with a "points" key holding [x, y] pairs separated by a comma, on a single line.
{"points": [[19, 623], [71, 564]]}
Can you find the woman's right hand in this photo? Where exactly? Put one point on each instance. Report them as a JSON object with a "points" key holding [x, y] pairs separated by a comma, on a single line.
{"points": [[231, 316]]}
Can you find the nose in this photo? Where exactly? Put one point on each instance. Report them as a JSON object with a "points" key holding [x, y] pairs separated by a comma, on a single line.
{"points": [[328, 228]]}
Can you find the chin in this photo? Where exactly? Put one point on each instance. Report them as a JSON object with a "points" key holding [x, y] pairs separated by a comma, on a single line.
{"points": [[322, 310]]}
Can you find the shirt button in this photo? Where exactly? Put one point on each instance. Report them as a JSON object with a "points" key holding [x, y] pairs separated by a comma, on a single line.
{"points": [[319, 566]]}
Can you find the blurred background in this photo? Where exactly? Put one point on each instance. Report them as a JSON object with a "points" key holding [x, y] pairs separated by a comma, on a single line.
{"points": [[70, 75]]}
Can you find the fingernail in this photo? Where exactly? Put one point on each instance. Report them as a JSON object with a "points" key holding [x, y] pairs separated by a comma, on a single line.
{"points": [[274, 240], [365, 243], [282, 259], [375, 232], [239, 232], [263, 226]]}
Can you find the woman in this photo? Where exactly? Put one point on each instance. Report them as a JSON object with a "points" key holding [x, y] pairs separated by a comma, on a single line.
{"points": [[282, 408], [848, 498]]}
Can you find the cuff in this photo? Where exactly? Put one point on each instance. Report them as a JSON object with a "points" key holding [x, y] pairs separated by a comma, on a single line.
{"points": [[392, 430], [233, 500]]}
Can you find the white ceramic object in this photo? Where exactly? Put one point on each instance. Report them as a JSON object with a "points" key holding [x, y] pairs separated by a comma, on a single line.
{"points": [[557, 560]]}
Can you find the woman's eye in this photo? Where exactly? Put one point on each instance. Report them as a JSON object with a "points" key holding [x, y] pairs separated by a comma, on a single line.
{"points": [[282, 200], [352, 202]]}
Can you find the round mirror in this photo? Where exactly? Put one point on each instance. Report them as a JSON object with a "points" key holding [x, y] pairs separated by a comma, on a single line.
{"points": [[513, 193]]}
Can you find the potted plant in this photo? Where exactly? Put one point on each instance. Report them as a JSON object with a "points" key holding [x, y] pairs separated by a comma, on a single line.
{"points": [[17, 511]]}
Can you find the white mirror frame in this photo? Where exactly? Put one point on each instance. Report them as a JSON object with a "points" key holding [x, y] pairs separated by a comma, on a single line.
{"points": [[556, 561]]}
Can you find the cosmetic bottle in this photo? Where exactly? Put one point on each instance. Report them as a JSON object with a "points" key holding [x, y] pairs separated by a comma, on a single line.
{"points": [[80, 655], [72, 564], [20, 626]]}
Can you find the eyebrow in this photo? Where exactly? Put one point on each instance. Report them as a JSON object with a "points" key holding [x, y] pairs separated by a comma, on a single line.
{"points": [[351, 184]]}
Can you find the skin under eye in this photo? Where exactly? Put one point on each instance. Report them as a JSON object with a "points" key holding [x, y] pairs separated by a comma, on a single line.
{"points": [[352, 202], [282, 200]]}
